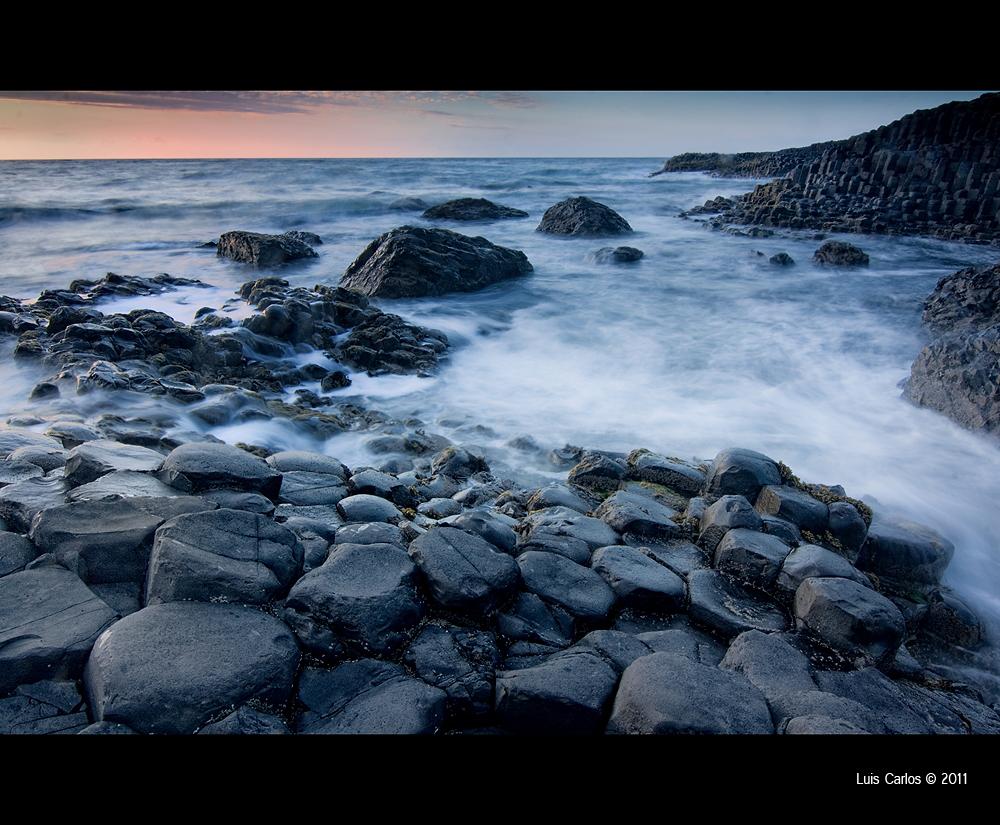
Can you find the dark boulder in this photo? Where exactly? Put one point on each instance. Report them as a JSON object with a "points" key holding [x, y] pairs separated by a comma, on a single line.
{"points": [[460, 661], [263, 250], [411, 262], [634, 514], [91, 460], [905, 552], [741, 472], [838, 253], [674, 473], [596, 471], [728, 513], [638, 581], [15, 552], [472, 209], [811, 560], [752, 557], [366, 508], [728, 608], [967, 300], [781, 259], [193, 468], [246, 721], [577, 589], [582, 216], [794, 505], [618, 255]]}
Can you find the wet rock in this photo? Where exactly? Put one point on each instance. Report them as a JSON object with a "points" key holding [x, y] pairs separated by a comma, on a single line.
{"points": [[559, 495], [850, 617], [472, 209], [948, 619], [24, 715], [595, 471], [730, 512], [726, 607], [556, 579], [838, 253], [458, 463], [365, 508], [848, 527], [679, 555], [638, 581], [439, 508], [263, 250], [487, 525], [464, 572], [375, 532], [48, 458], [411, 262], [102, 541], [618, 255], [566, 694], [781, 259], [123, 484], [460, 661], [741, 472], [784, 530], [49, 620], [630, 513], [562, 522], [21, 502], [12, 439], [169, 668], [678, 475], [582, 216], [530, 619], [967, 300], [193, 468], [375, 483], [235, 500], [43, 390], [72, 433], [335, 380], [15, 552], [770, 663], [902, 551], [91, 460], [879, 695], [617, 648], [667, 693], [368, 697], [819, 725], [289, 461], [751, 557], [12, 472], [813, 561], [246, 722], [363, 597], [827, 709], [222, 555], [408, 205], [306, 489]]}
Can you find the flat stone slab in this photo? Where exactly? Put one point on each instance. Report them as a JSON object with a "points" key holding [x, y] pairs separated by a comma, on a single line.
{"points": [[193, 468], [577, 589], [725, 606], [638, 581], [94, 459]]}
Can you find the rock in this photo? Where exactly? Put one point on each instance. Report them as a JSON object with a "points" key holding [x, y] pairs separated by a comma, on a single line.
{"points": [[11, 472], [751, 557], [770, 663], [967, 300], [630, 513], [458, 463], [365, 508], [123, 484], [246, 722], [617, 648], [102, 541], [728, 513], [559, 495], [60, 694], [565, 523], [375, 483], [618, 255], [263, 250], [193, 468], [678, 475], [408, 205], [680, 556], [460, 661], [23, 715], [20, 503], [71, 433], [793, 505], [464, 572], [725, 606], [838, 253], [48, 458], [410, 262], [638, 581], [108, 728], [848, 527], [813, 561], [784, 530], [310, 238], [12, 439], [439, 508], [850, 617], [290, 461], [819, 725], [582, 216], [566, 694], [530, 619], [486, 525], [222, 555], [49, 621], [781, 259], [368, 697], [472, 209], [948, 619], [170, 668], [595, 471], [667, 693], [741, 472], [235, 500], [577, 589], [93, 459], [879, 696], [363, 597], [307, 489], [375, 532], [902, 551], [15, 552]]}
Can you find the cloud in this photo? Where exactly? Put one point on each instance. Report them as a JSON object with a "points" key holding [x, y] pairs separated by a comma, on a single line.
{"points": [[274, 102]]}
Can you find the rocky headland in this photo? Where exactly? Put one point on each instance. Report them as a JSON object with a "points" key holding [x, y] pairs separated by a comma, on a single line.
{"points": [[745, 164]]}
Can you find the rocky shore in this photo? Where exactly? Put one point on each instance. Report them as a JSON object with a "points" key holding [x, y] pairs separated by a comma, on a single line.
{"points": [[745, 164], [935, 172]]}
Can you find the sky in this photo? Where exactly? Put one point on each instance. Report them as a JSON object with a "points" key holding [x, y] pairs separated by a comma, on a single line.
{"points": [[247, 124]]}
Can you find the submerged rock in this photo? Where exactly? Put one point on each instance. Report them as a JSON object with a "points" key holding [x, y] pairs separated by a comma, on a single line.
{"points": [[838, 253], [472, 209], [264, 250], [582, 216], [618, 255], [411, 261]]}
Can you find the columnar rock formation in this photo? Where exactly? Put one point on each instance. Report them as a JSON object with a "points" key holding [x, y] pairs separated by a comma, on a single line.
{"points": [[745, 164]]}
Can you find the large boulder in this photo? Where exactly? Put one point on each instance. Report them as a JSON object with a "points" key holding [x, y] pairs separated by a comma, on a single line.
{"points": [[363, 597], [170, 668], [410, 262], [838, 253], [638, 581], [222, 555], [564, 522], [263, 250], [752, 557], [634, 514], [811, 560], [905, 552], [103, 541], [463, 571], [742, 473], [11, 472], [667, 693], [730, 512], [195, 467], [577, 589], [94, 459], [582, 216], [850, 617], [472, 209], [965, 300], [794, 505], [49, 620], [368, 697]]}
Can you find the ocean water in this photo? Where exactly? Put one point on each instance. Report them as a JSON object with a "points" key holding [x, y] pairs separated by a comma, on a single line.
{"points": [[700, 346]]}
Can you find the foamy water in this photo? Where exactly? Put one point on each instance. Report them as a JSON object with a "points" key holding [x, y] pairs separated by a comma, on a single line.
{"points": [[700, 346]]}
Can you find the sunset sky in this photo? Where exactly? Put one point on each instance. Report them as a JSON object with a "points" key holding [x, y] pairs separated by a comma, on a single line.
{"points": [[213, 124]]}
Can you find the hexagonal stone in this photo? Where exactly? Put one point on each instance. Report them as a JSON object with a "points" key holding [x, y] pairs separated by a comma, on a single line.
{"points": [[751, 557], [563, 521], [638, 581], [728, 513], [169, 668], [222, 555], [463, 571], [13, 438], [794, 505], [674, 473], [367, 697], [363, 597], [49, 620], [638, 515], [811, 560], [195, 467], [723, 605], [742, 473], [306, 489], [364, 508], [577, 589], [530, 619], [461, 661], [667, 693], [94, 459], [850, 617], [900, 550]]}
